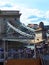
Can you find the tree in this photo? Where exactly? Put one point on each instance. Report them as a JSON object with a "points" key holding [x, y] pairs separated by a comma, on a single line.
{"points": [[41, 25], [0, 12]]}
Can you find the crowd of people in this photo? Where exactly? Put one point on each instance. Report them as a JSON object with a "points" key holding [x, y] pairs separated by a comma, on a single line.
{"points": [[21, 53], [24, 52]]}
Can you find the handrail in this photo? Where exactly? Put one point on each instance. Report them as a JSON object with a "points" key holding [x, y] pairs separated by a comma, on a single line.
{"points": [[17, 30]]}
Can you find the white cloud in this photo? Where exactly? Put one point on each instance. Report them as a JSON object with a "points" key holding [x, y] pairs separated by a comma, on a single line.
{"points": [[47, 14], [3, 2], [26, 12]]}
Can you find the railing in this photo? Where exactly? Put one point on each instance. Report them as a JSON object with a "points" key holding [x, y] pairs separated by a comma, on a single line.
{"points": [[19, 31]]}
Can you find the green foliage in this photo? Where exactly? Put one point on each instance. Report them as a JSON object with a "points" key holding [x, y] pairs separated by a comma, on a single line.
{"points": [[0, 11], [41, 25]]}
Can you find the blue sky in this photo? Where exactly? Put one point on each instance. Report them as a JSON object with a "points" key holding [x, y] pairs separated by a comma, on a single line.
{"points": [[33, 11]]}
